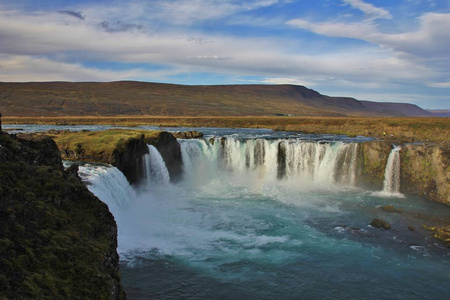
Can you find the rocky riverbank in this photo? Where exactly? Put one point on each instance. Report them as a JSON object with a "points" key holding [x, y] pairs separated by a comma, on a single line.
{"points": [[57, 240]]}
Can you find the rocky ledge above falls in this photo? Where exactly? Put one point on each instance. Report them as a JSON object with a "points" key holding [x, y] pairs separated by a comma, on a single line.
{"points": [[124, 149], [57, 240]]}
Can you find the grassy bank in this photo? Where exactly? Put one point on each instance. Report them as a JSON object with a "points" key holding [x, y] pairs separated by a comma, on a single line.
{"points": [[402, 129], [95, 143]]}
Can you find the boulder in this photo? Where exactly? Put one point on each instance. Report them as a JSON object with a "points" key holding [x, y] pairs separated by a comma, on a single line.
{"points": [[381, 224]]}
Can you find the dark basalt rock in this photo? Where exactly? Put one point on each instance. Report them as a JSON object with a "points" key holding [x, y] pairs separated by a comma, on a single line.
{"points": [[57, 240], [170, 150], [130, 161], [281, 159], [30, 149], [192, 134], [381, 224]]}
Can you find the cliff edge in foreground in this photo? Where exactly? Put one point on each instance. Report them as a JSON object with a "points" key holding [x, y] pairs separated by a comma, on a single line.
{"points": [[57, 240]]}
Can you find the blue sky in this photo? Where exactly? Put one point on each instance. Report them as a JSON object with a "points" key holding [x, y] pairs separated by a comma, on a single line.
{"points": [[378, 50]]}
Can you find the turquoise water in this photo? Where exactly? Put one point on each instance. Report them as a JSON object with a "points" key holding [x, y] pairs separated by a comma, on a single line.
{"points": [[237, 244], [229, 231]]}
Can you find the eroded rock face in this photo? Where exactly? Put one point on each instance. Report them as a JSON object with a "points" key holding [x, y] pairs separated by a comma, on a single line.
{"points": [[170, 150], [372, 161], [425, 171], [57, 240], [130, 161]]}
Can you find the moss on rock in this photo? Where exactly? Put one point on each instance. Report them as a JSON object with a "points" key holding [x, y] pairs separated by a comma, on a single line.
{"points": [[57, 240]]}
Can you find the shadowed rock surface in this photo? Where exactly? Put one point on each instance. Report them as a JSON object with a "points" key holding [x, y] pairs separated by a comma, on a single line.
{"points": [[57, 240]]}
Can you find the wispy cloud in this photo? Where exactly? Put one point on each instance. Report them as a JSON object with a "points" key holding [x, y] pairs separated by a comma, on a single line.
{"points": [[428, 41], [369, 9], [75, 14]]}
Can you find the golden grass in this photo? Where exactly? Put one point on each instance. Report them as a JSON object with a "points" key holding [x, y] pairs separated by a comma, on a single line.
{"points": [[403, 129], [95, 143]]}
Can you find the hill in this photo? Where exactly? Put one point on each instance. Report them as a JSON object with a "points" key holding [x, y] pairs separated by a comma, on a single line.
{"points": [[142, 98], [440, 112]]}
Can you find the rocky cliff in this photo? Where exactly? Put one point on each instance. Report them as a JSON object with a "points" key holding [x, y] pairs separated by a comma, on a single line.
{"points": [[170, 150], [425, 169], [57, 240], [372, 163]]}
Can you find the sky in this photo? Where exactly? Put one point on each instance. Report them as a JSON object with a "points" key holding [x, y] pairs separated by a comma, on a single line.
{"points": [[378, 50]]}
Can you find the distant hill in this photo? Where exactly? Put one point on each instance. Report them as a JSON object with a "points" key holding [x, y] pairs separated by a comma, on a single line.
{"points": [[143, 98], [440, 112]]}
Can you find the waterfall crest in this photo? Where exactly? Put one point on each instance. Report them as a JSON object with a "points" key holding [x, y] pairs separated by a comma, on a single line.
{"points": [[321, 163], [155, 169], [109, 184], [391, 184]]}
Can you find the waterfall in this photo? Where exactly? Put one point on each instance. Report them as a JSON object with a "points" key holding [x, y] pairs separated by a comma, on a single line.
{"points": [[154, 167], [294, 159], [108, 184], [391, 184]]}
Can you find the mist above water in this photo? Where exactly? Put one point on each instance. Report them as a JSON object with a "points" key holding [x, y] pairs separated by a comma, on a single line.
{"points": [[245, 222]]}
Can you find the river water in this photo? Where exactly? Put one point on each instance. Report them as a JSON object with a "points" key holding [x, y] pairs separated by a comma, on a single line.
{"points": [[236, 228]]}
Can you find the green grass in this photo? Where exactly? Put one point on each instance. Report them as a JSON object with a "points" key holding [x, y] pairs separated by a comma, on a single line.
{"points": [[100, 143]]}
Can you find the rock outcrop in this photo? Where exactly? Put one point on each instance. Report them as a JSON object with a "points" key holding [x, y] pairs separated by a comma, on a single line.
{"points": [[130, 161], [123, 149], [57, 240], [170, 151], [379, 223], [425, 171], [281, 160], [372, 163], [192, 134]]}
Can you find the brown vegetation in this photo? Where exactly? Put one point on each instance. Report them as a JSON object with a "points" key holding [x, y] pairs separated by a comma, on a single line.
{"points": [[157, 99], [402, 129]]}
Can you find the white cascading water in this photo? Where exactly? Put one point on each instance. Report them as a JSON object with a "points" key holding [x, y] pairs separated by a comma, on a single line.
{"points": [[109, 184], [391, 184], [320, 163], [155, 168], [249, 214]]}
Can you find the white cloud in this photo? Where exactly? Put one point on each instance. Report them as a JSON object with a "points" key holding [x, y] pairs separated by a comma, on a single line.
{"points": [[287, 80], [430, 42], [439, 84], [369, 9], [26, 68], [359, 30], [68, 39]]}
